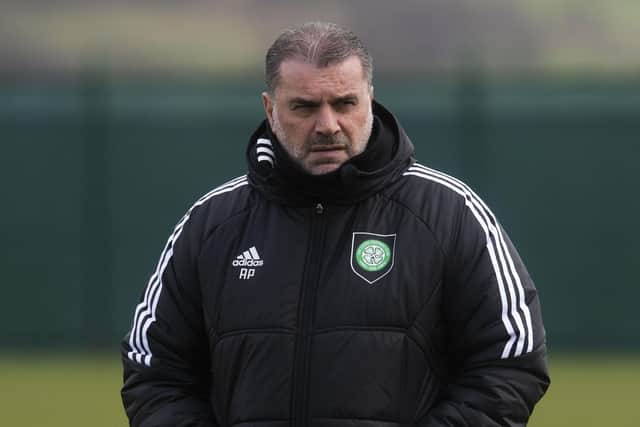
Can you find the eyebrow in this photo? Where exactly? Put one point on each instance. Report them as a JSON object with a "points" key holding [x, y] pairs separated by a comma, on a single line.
{"points": [[313, 103], [345, 98], [303, 101]]}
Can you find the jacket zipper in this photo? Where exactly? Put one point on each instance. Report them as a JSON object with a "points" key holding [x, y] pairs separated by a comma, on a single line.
{"points": [[306, 311]]}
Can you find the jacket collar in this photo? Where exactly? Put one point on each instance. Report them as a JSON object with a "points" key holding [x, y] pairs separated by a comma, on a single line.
{"points": [[271, 170]]}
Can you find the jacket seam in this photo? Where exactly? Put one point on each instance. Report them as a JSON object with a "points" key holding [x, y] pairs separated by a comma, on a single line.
{"points": [[264, 420], [214, 228], [414, 324], [424, 304], [213, 327], [270, 331], [399, 329], [419, 218], [359, 419]]}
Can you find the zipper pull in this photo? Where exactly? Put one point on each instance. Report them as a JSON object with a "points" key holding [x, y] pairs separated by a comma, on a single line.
{"points": [[319, 208]]}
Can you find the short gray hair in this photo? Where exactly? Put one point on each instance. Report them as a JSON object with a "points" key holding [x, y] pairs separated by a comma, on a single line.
{"points": [[318, 43]]}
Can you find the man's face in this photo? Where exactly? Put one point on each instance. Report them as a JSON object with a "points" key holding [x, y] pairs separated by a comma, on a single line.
{"points": [[321, 116]]}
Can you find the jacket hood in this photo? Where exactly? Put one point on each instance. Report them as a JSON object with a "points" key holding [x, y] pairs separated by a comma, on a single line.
{"points": [[272, 171]]}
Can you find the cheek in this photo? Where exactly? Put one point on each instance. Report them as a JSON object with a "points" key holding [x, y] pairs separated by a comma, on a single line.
{"points": [[296, 128], [357, 124]]}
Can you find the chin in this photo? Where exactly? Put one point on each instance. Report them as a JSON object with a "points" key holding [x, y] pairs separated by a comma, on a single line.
{"points": [[323, 168]]}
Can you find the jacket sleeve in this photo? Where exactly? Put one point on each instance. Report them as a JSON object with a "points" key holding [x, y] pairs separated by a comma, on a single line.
{"points": [[165, 355], [495, 336]]}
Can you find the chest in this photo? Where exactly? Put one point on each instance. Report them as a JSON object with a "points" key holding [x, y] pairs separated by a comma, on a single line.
{"points": [[371, 264]]}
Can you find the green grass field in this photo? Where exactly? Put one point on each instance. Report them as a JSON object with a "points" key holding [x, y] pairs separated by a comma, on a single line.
{"points": [[60, 391], [84, 391]]}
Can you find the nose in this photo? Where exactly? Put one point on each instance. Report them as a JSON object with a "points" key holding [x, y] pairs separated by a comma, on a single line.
{"points": [[326, 121]]}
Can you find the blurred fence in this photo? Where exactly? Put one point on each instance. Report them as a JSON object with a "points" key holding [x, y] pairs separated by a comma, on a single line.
{"points": [[94, 175]]}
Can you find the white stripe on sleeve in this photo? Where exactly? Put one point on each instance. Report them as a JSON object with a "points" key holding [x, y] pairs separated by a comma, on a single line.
{"points": [[145, 313], [507, 277]]}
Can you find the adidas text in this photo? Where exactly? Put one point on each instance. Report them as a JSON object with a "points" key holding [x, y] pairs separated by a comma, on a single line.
{"points": [[247, 263]]}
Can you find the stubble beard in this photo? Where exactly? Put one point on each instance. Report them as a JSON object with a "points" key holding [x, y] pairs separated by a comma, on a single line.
{"points": [[299, 152]]}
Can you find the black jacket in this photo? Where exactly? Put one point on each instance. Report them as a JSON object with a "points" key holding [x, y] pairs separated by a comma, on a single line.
{"points": [[382, 294]]}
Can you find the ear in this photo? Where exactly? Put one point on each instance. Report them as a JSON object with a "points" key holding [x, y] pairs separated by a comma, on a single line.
{"points": [[267, 103]]}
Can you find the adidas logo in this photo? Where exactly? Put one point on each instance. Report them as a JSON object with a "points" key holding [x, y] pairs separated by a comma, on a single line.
{"points": [[249, 258]]}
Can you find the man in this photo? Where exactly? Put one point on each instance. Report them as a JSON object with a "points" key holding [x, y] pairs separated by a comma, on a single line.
{"points": [[339, 283]]}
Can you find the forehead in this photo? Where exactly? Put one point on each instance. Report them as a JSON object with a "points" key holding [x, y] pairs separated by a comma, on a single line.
{"points": [[300, 78]]}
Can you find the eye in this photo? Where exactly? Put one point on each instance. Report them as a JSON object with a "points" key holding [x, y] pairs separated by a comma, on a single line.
{"points": [[347, 102], [302, 106]]}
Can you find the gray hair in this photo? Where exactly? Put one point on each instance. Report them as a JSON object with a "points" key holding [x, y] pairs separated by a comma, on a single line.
{"points": [[318, 43]]}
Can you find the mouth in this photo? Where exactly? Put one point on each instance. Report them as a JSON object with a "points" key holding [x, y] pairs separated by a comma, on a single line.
{"points": [[326, 157], [328, 148]]}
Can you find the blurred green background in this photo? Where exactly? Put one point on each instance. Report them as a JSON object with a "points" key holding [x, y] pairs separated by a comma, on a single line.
{"points": [[115, 117]]}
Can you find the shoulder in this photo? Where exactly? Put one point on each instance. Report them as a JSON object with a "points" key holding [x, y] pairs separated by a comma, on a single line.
{"points": [[444, 191], [428, 190], [217, 205], [444, 203], [230, 193], [448, 203], [437, 190], [435, 181]]}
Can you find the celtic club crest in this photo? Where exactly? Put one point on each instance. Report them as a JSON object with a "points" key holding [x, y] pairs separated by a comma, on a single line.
{"points": [[372, 255]]}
